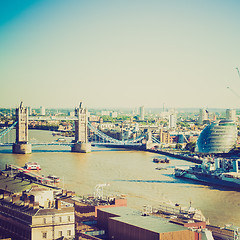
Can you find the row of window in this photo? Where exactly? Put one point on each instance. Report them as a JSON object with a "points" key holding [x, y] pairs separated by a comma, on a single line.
{"points": [[59, 219], [59, 234], [13, 230]]}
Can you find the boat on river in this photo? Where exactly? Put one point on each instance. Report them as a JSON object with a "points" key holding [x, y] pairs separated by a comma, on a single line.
{"points": [[61, 140], [220, 172], [170, 210], [161, 160], [32, 166]]}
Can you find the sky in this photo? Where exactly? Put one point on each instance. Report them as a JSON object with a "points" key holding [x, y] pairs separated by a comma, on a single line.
{"points": [[124, 53]]}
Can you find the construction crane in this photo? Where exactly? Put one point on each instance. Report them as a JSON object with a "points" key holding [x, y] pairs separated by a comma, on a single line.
{"points": [[238, 72], [233, 92], [237, 95]]}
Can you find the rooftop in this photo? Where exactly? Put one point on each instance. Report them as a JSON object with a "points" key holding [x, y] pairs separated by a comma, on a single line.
{"points": [[150, 223], [133, 217], [15, 185], [19, 206], [122, 211]]}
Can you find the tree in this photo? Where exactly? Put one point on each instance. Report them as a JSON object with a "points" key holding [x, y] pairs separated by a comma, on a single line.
{"points": [[190, 146], [178, 146]]}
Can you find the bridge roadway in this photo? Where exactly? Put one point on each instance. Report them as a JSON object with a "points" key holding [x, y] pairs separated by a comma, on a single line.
{"points": [[108, 144], [51, 118]]}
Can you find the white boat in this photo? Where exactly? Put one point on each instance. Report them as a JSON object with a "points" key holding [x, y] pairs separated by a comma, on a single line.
{"points": [[61, 140], [32, 166]]}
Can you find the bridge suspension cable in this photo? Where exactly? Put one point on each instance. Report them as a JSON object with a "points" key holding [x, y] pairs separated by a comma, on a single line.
{"points": [[155, 140], [110, 139], [4, 132], [102, 135]]}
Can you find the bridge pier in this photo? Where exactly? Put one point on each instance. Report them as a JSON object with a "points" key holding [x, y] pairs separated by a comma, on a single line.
{"points": [[81, 143], [22, 146], [81, 147]]}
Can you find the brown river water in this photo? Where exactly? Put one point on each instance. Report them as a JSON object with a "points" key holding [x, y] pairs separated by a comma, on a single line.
{"points": [[127, 172]]}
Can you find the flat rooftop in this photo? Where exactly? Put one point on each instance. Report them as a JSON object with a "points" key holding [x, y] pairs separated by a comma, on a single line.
{"points": [[134, 217], [150, 223]]}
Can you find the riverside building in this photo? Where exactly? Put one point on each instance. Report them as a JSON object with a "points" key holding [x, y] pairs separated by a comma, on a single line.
{"points": [[218, 137], [36, 214]]}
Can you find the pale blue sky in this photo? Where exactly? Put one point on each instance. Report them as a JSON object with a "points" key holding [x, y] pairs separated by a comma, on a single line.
{"points": [[124, 53]]}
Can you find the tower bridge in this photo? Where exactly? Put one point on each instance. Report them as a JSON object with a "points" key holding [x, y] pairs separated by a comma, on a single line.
{"points": [[80, 142]]}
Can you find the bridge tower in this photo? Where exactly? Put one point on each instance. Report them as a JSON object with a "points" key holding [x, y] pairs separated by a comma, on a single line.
{"points": [[22, 146], [81, 143], [149, 142]]}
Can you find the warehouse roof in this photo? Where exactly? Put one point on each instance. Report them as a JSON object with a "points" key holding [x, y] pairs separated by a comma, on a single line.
{"points": [[134, 217], [150, 223]]}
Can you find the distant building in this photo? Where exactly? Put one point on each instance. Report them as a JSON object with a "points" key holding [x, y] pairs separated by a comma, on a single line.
{"points": [[94, 118], [164, 115], [65, 127], [203, 115], [113, 114], [231, 114], [142, 113], [42, 111], [71, 114], [105, 113], [172, 121], [164, 136]]}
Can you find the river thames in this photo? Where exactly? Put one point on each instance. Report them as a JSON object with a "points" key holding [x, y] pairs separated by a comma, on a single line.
{"points": [[127, 172]]}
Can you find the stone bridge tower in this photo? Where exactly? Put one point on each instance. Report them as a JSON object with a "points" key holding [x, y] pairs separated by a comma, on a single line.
{"points": [[147, 142], [22, 146], [81, 143]]}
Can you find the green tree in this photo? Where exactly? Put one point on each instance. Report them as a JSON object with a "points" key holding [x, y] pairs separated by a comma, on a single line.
{"points": [[178, 146], [190, 146]]}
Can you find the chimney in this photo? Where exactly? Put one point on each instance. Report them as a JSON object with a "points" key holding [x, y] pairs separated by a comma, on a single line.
{"points": [[15, 198], [35, 205], [24, 196], [31, 198], [58, 204], [30, 205], [6, 194], [26, 202]]}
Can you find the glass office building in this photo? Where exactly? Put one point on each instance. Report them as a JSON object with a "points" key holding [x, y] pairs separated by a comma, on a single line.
{"points": [[218, 137]]}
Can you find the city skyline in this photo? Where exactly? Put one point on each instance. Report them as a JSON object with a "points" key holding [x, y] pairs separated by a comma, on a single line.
{"points": [[119, 54]]}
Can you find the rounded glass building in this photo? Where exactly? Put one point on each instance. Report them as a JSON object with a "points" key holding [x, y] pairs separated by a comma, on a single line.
{"points": [[218, 137]]}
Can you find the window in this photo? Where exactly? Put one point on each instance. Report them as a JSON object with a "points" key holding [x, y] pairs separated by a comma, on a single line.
{"points": [[60, 234], [44, 234], [60, 219], [69, 232], [69, 218], [44, 220]]}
